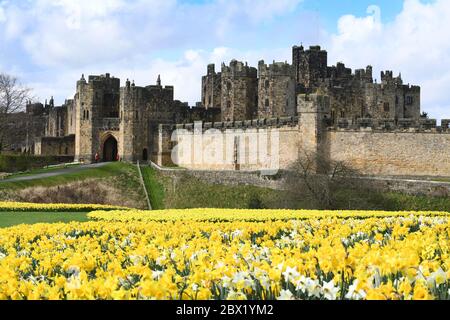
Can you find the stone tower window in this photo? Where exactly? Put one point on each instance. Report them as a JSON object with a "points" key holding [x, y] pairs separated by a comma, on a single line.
{"points": [[87, 115], [229, 85], [228, 104], [137, 115], [342, 114], [267, 84], [386, 107], [409, 100], [267, 103]]}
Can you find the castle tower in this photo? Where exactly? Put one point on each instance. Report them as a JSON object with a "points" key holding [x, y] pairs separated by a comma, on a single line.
{"points": [[212, 88], [276, 90], [310, 66], [95, 100], [239, 91], [133, 128], [312, 111]]}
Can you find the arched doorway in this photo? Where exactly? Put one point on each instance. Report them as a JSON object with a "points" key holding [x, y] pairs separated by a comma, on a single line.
{"points": [[110, 149], [145, 155]]}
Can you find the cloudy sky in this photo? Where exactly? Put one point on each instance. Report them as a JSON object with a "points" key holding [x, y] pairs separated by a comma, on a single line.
{"points": [[48, 44]]}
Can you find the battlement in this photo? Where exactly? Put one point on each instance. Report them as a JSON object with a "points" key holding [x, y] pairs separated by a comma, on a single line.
{"points": [[211, 70], [35, 109], [275, 69], [239, 69], [268, 123], [311, 49], [392, 125], [100, 82]]}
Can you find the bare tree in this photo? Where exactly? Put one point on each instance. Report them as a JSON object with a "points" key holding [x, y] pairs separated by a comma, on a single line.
{"points": [[13, 98], [316, 178]]}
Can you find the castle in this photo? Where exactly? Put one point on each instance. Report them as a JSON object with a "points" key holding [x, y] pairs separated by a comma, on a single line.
{"points": [[310, 103]]}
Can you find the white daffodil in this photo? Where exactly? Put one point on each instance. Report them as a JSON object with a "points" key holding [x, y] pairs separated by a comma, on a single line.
{"points": [[353, 292], [290, 274], [160, 260], [329, 290], [301, 284], [226, 282], [313, 288], [440, 277], [285, 295], [156, 275]]}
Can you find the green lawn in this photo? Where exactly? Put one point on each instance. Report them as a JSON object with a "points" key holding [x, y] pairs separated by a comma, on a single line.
{"points": [[8, 219], [109, 170], [154, 186]]}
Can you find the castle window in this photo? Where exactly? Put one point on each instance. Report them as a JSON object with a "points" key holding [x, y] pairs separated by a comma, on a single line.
{"points": [[84, 114], [386, 107], [396, 99], [267, 84], [209, 100], [267, 103], [87, 115], [342, 114], [228, 104], [229, 85], [409, 100], [137, 115]]}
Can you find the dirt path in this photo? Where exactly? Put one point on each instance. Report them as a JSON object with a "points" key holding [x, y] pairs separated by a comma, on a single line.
{"points": [[56, 172]]}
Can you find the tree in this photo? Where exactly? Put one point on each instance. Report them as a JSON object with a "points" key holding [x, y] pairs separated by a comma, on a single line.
{"points": [[13, 98], [316, 178]]}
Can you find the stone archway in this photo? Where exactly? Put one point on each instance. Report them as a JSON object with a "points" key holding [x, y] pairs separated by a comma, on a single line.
{"points": [[110, 149]]}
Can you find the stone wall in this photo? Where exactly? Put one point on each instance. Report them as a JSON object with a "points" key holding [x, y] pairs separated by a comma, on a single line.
{"points": [[245, 146], [391, 153], [55, 146], [235, 178]]}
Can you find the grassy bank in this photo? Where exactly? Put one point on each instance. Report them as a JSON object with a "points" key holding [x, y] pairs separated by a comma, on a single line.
{"points": [[115, 184], [185, 191]]}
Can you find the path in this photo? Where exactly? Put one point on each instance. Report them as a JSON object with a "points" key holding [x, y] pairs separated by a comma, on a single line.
{"points": [[55, 173]]}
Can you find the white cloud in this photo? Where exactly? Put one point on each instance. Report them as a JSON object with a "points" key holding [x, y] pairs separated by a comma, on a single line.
{"points": [[415, 43], [52, 42]]}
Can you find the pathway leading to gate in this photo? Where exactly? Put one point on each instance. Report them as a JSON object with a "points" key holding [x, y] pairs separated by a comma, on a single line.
{"points": [[55, 173]]}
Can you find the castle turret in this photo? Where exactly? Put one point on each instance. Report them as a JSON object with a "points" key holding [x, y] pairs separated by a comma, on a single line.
{"points": [[276, 90], [212, 88], [239, 91], [312, 110], [95, 100], [310, 66], [135, 117]]}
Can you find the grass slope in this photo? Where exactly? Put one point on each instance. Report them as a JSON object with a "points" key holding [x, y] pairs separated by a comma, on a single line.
{"points": [[115, 183], [188, 192]]}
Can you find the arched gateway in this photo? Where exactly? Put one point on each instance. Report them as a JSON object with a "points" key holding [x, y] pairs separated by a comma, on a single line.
{"points": [[110, 149]]}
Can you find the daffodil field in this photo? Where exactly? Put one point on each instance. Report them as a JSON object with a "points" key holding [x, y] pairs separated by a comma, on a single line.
{"points": [[230, 254]]}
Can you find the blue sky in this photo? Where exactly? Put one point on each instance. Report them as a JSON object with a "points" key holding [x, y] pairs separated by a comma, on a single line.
{"points": [[48, 44]]}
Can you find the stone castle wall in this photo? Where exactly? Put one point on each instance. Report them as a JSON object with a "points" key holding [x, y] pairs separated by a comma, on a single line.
{"points": [[420, 151], [391, 153]]}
